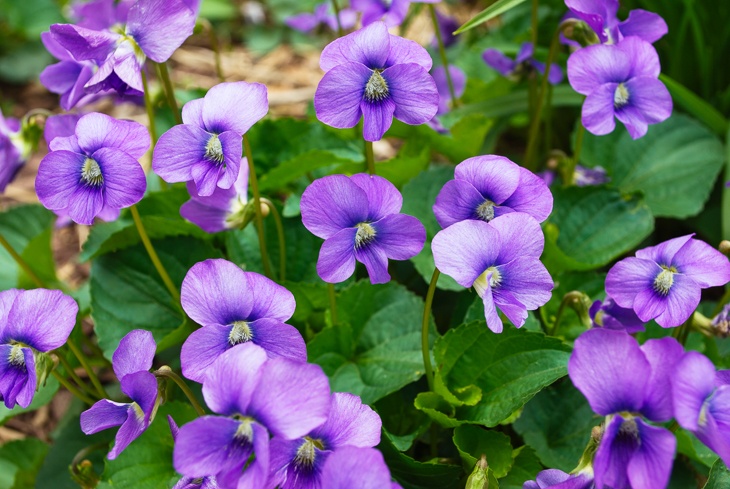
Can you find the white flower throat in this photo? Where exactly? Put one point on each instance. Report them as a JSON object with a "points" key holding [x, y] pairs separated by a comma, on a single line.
{"points": [[240, 333], [620, 96], [214, 149], [91, 173], [16, 357], [485, 211], [663, 282], [481, 284], [365, 234], [306, 453], [376, 88]]}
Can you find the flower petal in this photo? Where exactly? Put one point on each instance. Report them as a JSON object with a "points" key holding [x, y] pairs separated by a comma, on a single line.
{"points": [[593, 66], [520, 235], [643, 56], [192, 113], [683, 299], [41, 318], [598, 110], [369, 46], [85, 204], [651, 98], [400, 236], [613, 455], [232, 145], [203, 446], [141, 387], [383, 198], [134, 353], [160, 27], [96, 131], [495, 177], [699, 261], [202, 348], [373, 256], [651, 464], [331, 204], [60, 126], [414, 92], [633, 119], [457, 201], [103, 415], [511, 307], [465, 250], [130, 430], [58, 178], [279, 339], [336, 261], [350, 423], [83, 43], [627, 278], [178, 151], [527, 279], [664, 253], [497, 60], [532, 196], [339, 94], [663, 355], [233, 379], [60, 77], [647, 25], [234, 107], [406, 51], [693, 382], [377, 118], [356, 468], [124, 178]]}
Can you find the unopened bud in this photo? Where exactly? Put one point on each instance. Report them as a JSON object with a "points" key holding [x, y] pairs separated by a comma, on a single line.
{"points": [[596, 433], [44, 365], [84, 475], [724, 247], [720, 324], [479, 478], [580, 32], [265, 210]]}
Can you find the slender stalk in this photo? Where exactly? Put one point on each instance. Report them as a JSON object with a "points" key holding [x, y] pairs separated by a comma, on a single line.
{"points": [[153, 255], [282, 241], [568, 177], [253, 181], [340, 32], [558, 318], [167, 372], [548, 120], [89, 371], [76, 378], [84, 452], [370, 157], [73, 390], [333, 302], [169, 91], [424, 328], [442, 51], [21, 263], [97, 351], [215, 47], [150, 109]]}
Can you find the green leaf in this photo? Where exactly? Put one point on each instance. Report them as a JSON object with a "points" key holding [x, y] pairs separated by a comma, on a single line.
{"points": [[474, 441], [592, 283], [41, 398], [559, 440], [525, 468], [27, 228], [127, 293], [689, 445], [402, 422], [20, 461], [719, 476], [147, 462], [696, 106], [375, 349], [509, 368], [726, 192], [417, 475], [594, 226], [437, 408], [290, 170], [497, 8], [675, 165]]}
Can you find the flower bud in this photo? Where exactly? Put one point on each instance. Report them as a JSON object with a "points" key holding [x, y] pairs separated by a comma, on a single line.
{"points": [[479, 478], [580, 32], [724, 247], [44, 365], [720, 324], [84, 475]]}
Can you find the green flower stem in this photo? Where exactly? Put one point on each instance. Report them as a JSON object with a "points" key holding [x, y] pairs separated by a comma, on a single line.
{"points": [[150, 109], [98, 354], [282, 240], [340, 32], [424, 328], [89, 371], [167, 373], [21, 263], [215, 47], [576, 153], [442, 51], [169, 91], [254, 183], [62, 358], [153, 255], [333, 302], [370, 157], [73, 390]]}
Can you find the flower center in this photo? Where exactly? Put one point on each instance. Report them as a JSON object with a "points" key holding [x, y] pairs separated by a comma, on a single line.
{"points": [[365, 234], [620, 96], [91, 173], [377, 88], [244, 433], [138, 411], [214, 149], [486, 211], [306, 453], [481, 284], [598, 318], [240, 333], [16, 358], [663, 282]]}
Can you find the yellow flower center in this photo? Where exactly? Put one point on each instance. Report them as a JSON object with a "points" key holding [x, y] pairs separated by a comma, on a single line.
{"points": [[377, 88], [240, 333], [91, 173], [365, 234]]}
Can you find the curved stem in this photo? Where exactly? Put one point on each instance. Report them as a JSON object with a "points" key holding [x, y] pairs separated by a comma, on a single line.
{"points": [[73, 390], [370, 157], [282, 240], [424, 327], [21, 263], [166, 372], [150, 109], [337, 16], [76, 378], [333, 302], [153, 255], [253, 182], [84, 452], [442, 51], [89, 371], [169, 91]]}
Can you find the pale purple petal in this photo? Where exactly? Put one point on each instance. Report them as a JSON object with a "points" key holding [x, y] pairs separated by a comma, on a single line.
{"points": [[556, 73], [234, 107], [103, 415], [61, 125], [124, 178], [617, 317], [369, 46], [178, 151], [331, 204], [647, 25], [494, 321], [85, 44], [663, 355], [304, 22], [593, 66], [681, 302], [629, 277], [465, 250], [406, 51], [58, 178], [527, 279], [209, 219], [279, 339], [457, 201], [56, 50], [532, 196], [373, 256], [400, 236], [664, 253], [372, 11], [70, 143], [96, 131], [173, 427], [651, 98], [60, 77], [339, 94], [203, 446], [41, 318], [350, 423], [234, 380], [693, 382], [17, 382], [232, 145], [598, 110], [134, 353], [396, 13], [383, 198], [355, 468], [414, 92], [336, 261], [458, 79], [551, 477], [202, 348], [597, 14], [192, 113], [643, 56], [257, 472], [651, 464], [377, 117], [699, 261], [495, 177], [77, 94], [613, 455], [142, 387], [520, 235], [85, 203], [515, 311], [633, 119], [498, 61], [160, 26]]}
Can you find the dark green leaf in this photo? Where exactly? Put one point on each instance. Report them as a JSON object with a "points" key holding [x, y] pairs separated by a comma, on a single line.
{"points": [[20, 461], [719, 476], [27, 229], [41, 398], [474, 441], [525, 468], [401, 420], [497, 8]]}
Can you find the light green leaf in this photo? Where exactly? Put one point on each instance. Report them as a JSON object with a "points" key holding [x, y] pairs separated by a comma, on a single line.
{"points": [[413, 157], [719, 476], [525, 468], [474, 441], [27, 228], [41, 398], [26, 457], [290, 170], [497, 8], [689, 445], [437, 408], [696, 106]]}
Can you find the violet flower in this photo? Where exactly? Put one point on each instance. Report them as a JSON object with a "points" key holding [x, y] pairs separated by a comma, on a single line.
{"points": [[584, 176], [254, 397], [132, 361], [59, 126], [458, 78], [100, 14], [524, 62], [609, 315], [14, 151], [359, 219], [306, 22], [447, 26], [721, 322], [486, 187], [235, 307], [190, 482], [601, 16], [94, 172], [557, 479], [701, 400], [357, 468], [376, 76], [664, 282], [207, 147], [68, 77], [32, 322], [501, 260], [155, 29], [222, 210], [624, 381], [392, 12], [297, 464], [620, 81]]}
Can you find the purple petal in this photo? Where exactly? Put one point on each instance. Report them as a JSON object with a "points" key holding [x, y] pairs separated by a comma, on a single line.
{"points": [[56, 50], [681, 302], [192, 113], [614, 454], [406, 51], [232, 145], [699, 261], [208, 218], [633, 119], [625, 318], [331, 204], [61, 125], [173, 427], [465, 250], [355, 468], [103, 415], [556, 74], [17, 382], [374, 258], [232, 381], [498, 61], [593, 66], [58, 178], [304, 22], [457, 201], [611, 371], [494, 322], [96, 131], [70, 143], [143, 386], [597, 14], [715, 436], [377, 118], [60, 77], [664, 253], [651, 98], [85, 44], [77, 94], [629, 277], [336, 261], [202, 348], [339, 94], [257, 472], [369, 46], [134, 353], [598, 110], [396, 13], [383, 198], [160, 26], [372, 11], [510, 306], [414, 92], [124, 178], [532, 196], [647, 25], [693, 382], [495, 177], [350, 423], [177, 151], [526, 52], [203, 446], [401, 237], [551, 477], [527, 279], [519, 235], [458, 79], [41, 318], [279, 339], [234, 107], [643, 56], [663, 355], [85, 203], [651, 464]]}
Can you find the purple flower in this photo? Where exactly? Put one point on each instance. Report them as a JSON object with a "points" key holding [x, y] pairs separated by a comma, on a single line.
{"points": [[624, 381], [68, 77], [357, 468], [620, 81], [222, 210], [557, 479], [190, 482], [375, 75], [600, 15], [458, 78], [297, 464], [609, 315], [721, 322], [701, 400], [255, 397], [235, 307], [207, 147], [155, 29], [523, 63], [392, 12], [663, 282], [60, 126], [132, 361], [14, 151], [501, 260], [307, 22], [584, 177], [486, 187], [32, 322], [359, 219], [94, 172], [447, 26], [100, 14]]}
